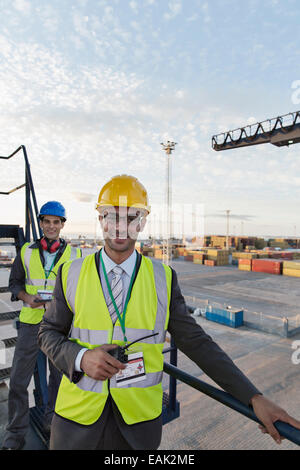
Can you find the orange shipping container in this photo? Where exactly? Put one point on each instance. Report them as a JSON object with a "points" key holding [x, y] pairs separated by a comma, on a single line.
{"points": [[270, 266], [198, 255], [210, 262]]}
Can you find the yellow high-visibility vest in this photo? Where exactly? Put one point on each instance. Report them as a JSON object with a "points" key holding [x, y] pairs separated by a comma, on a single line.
{"points": [[35, 278], [147, 313]]}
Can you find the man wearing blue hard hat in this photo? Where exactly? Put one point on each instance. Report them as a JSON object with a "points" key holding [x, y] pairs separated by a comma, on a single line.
{"points": [[32, 281]]}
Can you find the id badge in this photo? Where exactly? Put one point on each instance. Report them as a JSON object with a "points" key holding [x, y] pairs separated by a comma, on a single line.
{"points": [[134, 371], [46, 295]]}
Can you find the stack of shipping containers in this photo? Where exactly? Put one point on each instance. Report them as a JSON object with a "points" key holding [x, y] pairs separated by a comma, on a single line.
{"points": [[291, 268]]}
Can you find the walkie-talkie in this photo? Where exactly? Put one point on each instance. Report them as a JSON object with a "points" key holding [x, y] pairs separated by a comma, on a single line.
{"points": [[119, 351]]}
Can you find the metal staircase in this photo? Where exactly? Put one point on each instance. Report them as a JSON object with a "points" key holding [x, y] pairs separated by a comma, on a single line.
{"points": [[10, 235], [15, 236]]}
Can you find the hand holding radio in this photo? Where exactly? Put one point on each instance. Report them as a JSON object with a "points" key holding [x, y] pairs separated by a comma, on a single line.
{"points": [[103, 362], [34, 301], [98, 363], [120, 351]]}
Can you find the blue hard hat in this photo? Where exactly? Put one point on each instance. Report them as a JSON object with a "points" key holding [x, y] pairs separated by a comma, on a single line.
{"points": [[53, 208]]}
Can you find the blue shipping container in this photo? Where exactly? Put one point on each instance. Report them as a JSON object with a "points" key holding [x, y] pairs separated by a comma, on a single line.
{"points": [[232, 318]]}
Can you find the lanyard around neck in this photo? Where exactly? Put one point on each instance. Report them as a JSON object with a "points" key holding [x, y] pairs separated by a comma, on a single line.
{"points": [[48, 271], [120, 317]]}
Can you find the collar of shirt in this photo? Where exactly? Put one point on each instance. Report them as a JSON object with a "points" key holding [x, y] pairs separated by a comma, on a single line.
{"points": [[49, 258], [127, 265]]}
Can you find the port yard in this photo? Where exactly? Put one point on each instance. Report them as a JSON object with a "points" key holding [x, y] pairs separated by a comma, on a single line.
{"points": [[205, 424], [261, 282], [271, 303], [266, 358]]}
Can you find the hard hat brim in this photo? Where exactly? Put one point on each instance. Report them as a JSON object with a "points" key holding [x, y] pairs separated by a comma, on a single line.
{"points": [[101, 207]]}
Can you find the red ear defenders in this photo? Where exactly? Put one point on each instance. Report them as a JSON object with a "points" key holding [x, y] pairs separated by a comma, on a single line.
{"points": [[50, 246]]}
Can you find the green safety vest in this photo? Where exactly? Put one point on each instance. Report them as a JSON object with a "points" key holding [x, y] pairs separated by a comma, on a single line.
{"points": [[147, 313], [35, 278]]}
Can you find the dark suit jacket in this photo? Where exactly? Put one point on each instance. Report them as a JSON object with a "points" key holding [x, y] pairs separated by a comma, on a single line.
{"points": [[189, 337]]}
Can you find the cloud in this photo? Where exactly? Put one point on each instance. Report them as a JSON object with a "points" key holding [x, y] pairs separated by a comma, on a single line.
{"points": [[193, 17], [81, 24], [245, 217], [22, 6], [175, 7], [68, 121], [84, 197], [92, 89], [134, 6], [180, 94], [205, 12]]}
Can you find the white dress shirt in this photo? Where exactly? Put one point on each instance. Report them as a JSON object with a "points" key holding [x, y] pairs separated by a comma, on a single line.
{"points": [[49, 258], [128, 267]]}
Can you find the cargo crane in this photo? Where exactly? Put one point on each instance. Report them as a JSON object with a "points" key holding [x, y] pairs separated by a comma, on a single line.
{"points": [[38, 437], [280, 131]]}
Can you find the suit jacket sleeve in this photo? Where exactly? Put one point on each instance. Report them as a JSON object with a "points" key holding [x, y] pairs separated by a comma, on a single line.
{"points": [[192, 340], [54, 332], [16, 278]]}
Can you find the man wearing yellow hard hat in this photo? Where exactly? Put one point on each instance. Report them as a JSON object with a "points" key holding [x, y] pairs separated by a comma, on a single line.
{"points": [[110, 397]]}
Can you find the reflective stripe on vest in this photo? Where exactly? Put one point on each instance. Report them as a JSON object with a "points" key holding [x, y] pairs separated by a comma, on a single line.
{"points": [[87, 383], [96, 337], [92, 326], [35, 278]]}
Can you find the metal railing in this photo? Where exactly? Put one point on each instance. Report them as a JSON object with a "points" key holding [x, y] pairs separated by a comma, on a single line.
{"points": [[261, 321], [33, 228], [285, 430], [31, 207]]}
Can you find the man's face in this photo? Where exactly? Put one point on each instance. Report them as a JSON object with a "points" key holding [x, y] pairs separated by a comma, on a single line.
{"points": [[121, 227], [51, 226]]}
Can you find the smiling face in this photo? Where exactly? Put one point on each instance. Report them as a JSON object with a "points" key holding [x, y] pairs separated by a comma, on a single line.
{"points": [[121, 227], [51, 226]]}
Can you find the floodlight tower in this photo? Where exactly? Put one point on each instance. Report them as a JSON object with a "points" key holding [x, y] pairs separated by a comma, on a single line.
{"points": [[227, 229], [167, 250]]}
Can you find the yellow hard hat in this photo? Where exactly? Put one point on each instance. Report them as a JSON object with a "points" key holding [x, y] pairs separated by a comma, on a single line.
{"points": [[123, 191]]}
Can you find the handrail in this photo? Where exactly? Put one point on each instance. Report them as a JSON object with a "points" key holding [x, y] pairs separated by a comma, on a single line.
{"points": [[6, 193], [286, 430], [31, 210], [12, 154]]}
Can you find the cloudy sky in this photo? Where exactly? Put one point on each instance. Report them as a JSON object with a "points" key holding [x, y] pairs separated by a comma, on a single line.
{"points": [[92, 87]]}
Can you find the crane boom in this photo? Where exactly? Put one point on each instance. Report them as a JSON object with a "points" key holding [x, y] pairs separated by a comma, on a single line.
{"points": [[280, 131]]}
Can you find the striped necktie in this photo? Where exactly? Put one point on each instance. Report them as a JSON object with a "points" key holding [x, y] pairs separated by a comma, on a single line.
{"points": [[117, 292]]}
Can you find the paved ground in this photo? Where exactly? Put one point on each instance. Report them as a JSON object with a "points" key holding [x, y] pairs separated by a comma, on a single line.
{"points": [[206, 424], [274, 294], [265, 298]]}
